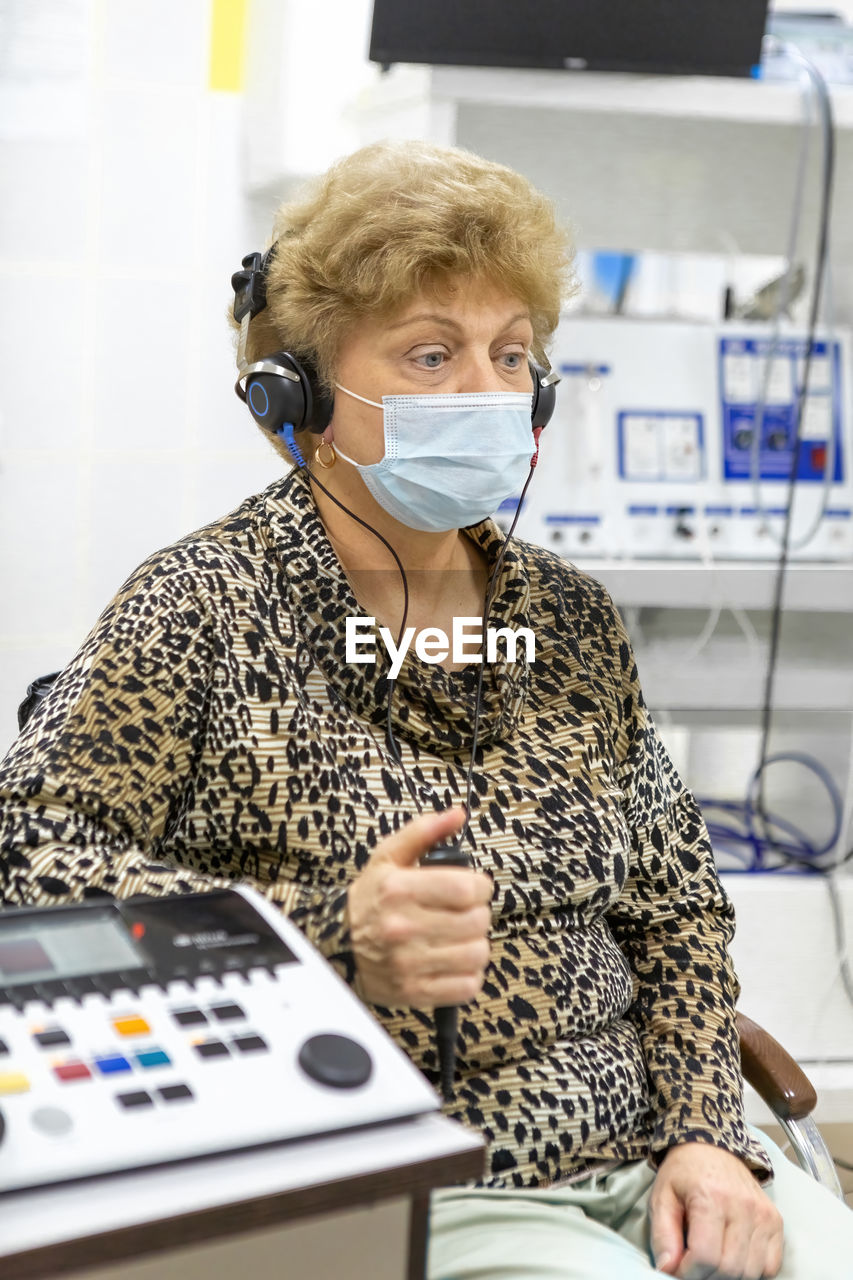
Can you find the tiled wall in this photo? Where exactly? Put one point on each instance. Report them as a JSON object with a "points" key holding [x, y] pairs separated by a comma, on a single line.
{"points": [[121, 220]]}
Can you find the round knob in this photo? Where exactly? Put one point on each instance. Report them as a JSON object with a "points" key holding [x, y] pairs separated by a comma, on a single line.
{"points": [[335, 1060]]}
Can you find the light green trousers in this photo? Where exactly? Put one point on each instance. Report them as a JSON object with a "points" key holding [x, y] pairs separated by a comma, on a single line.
{"points": [[598, 1229]]}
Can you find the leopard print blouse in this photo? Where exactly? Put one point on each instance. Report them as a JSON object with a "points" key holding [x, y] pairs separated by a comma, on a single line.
{"points": [[210, 730]]}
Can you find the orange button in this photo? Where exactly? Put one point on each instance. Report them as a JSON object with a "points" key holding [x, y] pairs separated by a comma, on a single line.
{"points": [[131, 1026]]}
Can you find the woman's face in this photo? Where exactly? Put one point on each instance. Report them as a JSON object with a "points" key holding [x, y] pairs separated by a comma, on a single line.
{"points": [[468, 339]]}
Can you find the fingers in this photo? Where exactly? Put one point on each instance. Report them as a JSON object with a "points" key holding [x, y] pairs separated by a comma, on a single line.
{"points": [[735, 1240], [449, 975], [775, 1251], [763, 1257], [667, 1229], [436, 889], [430, 957], [417, 837], [743, 1242], [731, 1228], [431, 929], [422, 977], [743, 1250], [706, 1231], [419, 935], [432, 993]]}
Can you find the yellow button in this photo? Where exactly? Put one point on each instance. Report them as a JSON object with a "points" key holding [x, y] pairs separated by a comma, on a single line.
{"points": [[13, 1082], [131, 1026]]}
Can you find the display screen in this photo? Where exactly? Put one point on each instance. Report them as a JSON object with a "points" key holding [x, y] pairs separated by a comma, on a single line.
{"points": [[47, 947], [718, 36]]}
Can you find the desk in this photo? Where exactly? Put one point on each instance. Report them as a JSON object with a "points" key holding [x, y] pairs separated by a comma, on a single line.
{"points": [[352, 1206]]}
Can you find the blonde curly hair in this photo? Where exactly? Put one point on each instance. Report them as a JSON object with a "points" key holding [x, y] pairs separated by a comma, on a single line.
{"points": [[394, 219]]}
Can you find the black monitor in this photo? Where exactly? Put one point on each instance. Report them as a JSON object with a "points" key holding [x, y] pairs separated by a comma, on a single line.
{"points": [[678, 37]]}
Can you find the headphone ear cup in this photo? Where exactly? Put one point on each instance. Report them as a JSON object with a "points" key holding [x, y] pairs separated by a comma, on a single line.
{"points": [[275, 399], [544, 397], [318, 413]]}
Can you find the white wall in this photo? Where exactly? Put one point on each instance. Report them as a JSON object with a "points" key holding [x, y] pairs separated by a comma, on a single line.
{"points": [[130, 196], [121, 221]]}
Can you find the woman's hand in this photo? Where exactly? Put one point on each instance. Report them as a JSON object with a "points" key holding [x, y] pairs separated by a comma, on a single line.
{"points": [[419, 934], [709, 1198]]}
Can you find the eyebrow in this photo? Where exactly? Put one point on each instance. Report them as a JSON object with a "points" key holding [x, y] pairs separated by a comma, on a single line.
{"points": [[436, 318]]}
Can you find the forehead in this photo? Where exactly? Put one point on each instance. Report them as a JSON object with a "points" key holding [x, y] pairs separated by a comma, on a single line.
{"points": [[463, 303]]}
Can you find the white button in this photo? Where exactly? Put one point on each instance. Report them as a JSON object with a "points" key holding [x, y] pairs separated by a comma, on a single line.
{"points": [[52, 1120]]}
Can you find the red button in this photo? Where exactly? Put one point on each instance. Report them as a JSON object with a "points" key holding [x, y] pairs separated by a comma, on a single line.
{"points": [[819, 457], [72, 1071]]}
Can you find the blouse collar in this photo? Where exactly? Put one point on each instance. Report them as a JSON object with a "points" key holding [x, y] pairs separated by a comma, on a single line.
{"points": [[431, 707]]}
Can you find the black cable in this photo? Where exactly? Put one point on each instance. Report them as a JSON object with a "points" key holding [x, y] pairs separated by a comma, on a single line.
{"points": [[390, 740], [446, 1016], [828, 135], [490, 593]]}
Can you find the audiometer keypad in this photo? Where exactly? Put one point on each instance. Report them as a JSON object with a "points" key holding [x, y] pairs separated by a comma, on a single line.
{"points": [[155, 1030]]}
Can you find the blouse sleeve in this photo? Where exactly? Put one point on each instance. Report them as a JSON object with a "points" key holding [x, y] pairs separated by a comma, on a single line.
{"points": [[94, 786], [673, 922]]}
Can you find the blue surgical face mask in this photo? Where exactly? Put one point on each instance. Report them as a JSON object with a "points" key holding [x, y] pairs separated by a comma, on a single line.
{"points": [[450, 460]]}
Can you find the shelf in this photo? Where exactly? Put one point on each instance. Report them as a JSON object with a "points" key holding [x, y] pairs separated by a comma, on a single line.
{"points": [[686, 97], [674, 681], [632, 162], [674, 584]]}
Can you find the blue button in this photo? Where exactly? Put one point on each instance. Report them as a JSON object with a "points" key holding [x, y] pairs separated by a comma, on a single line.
{"points": [[153, 1058], [109, 1066]]}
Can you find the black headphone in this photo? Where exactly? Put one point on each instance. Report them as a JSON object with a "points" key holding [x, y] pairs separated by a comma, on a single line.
{"points": [[284, 395]]}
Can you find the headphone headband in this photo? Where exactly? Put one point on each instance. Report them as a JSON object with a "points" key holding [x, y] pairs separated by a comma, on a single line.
{"points": [[282, 392]]}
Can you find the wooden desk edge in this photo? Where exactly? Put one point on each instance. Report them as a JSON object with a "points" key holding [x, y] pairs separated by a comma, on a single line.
{"points": [[219, 1222]]}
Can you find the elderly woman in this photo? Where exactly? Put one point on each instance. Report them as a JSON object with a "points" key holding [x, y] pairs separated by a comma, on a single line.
{"points": [[219, 725]]}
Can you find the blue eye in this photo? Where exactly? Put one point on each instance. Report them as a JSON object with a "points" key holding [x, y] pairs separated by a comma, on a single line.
{"points": [[517, 358], [432, 359]]}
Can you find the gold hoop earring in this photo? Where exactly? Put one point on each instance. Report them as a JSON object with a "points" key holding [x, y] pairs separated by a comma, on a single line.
{"points": [[332, 460]]}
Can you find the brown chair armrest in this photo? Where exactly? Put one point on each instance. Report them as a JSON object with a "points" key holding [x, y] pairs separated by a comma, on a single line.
{"points": [[773, 1073]]}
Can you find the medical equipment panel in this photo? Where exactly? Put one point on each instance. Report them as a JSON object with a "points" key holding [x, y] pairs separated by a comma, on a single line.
{"points": [[140, 1032], [675, 439]]}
